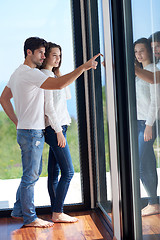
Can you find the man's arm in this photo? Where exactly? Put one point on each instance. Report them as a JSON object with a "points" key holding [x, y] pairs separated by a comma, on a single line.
{"points": [[7, 105], [65, 80], [147, 76]]}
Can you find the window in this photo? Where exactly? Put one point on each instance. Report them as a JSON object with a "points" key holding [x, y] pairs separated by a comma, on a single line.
{"points": [[50, 20]]}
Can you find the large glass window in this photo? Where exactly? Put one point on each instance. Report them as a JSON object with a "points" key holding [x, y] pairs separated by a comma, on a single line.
{"points": [[50, 20], [146, 36]]}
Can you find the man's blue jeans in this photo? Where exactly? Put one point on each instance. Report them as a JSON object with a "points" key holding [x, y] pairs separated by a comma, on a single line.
{"points": [[59, 159], [31, 143], [148, 171]]}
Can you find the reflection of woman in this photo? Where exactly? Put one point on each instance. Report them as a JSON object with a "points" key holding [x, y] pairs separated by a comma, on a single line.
{"points": [[147, 104], [57, 120]]}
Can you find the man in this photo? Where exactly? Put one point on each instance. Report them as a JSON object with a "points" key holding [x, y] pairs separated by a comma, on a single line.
{"points": [[26, 87], [155, 44], [152, 77]]}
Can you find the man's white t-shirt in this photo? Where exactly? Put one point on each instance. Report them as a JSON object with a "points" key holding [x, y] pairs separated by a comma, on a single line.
{"points": [[28, 97]]}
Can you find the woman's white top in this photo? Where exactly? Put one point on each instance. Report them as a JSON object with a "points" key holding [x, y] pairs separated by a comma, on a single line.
{"points": [[56, 112], [148, 98]]}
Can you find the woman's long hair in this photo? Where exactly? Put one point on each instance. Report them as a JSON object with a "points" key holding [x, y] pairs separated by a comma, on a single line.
{"points": [[48, 48], [147, 45]]}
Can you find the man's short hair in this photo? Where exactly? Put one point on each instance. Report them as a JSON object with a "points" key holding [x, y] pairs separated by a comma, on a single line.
{"points": [[33, 43], [155, 37]]}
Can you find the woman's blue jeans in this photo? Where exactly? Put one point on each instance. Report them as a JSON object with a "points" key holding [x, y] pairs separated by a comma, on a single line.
{"points": [[31, 143], [148, 171], [59, 160]]}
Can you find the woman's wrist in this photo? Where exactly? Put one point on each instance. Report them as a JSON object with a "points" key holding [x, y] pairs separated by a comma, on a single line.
{"points": [[148, 126]]}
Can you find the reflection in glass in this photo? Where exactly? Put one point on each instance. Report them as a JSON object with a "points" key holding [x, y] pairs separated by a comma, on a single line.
{"points": [[106, 200], [148, 97], [146, 35]]}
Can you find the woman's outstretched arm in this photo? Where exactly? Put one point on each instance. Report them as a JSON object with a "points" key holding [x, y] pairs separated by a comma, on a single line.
{"points": [[65, 80], [150, 77]]}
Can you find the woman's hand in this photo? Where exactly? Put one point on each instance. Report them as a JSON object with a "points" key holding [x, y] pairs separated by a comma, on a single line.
{"points": [[148, 133], [61, 140]]}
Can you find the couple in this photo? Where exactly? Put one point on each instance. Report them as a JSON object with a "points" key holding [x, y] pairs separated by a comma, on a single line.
{"points": [[148, 104], [146, 75], [29, 88]]}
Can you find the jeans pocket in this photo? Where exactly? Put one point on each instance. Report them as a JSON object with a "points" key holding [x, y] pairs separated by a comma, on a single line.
{"points": [[37, 133]]}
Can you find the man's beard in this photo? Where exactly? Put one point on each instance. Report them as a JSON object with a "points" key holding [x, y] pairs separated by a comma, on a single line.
{"points": [[38, 64]]}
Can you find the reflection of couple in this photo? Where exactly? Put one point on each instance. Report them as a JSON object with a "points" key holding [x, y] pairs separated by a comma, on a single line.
{"points": [[148, 104], [26, 87]]}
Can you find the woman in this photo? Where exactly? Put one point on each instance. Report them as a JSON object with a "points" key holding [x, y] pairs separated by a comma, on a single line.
{"points": [[148, 102], [57, 120]]}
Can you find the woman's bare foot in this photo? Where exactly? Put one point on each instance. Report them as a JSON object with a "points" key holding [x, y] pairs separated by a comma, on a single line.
{"points": [[150, 210], [40, 223], [63, 218]]}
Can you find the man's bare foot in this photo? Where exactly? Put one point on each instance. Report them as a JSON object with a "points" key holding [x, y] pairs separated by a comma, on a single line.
{"points": [[63, 218], [150, 210], [40, 224]]}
